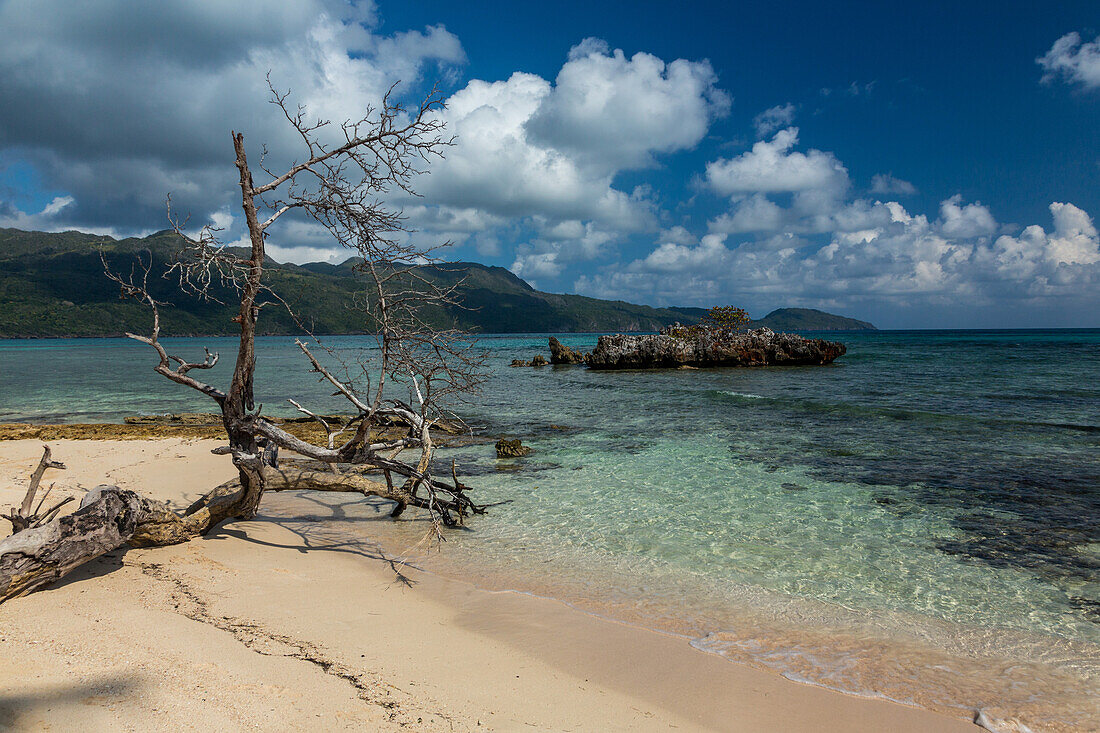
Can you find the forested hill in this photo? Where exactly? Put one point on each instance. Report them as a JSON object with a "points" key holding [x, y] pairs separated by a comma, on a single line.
{"points": [[809, 319], [54, 285]]}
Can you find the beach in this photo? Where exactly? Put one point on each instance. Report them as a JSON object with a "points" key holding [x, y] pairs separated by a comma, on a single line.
{"points": [[549, 367], [259, 627]]}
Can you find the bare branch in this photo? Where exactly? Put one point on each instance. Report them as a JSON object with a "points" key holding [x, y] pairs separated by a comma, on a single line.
{"points": [[24, 518]]}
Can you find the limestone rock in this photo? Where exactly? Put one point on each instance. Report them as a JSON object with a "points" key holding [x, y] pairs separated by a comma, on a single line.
{"points": [[538, 361], [759, 347], [562, 354], [511, 448], [178, 418]]}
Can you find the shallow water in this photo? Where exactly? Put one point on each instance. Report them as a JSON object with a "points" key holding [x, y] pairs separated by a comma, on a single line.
{"points": [[920, 521]]}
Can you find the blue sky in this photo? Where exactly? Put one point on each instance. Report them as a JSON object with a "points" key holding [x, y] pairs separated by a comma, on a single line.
{"points": [[932, 166]]}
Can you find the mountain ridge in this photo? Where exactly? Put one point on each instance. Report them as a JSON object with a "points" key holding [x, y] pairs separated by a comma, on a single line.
{"points": [[53, 285]]}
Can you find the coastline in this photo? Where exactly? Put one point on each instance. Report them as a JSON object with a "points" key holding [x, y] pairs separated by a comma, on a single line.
{"points": [[259, 625]]}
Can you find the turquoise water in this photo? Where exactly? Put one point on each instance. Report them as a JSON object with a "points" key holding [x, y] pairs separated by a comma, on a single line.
{"points": [[919, 521]]}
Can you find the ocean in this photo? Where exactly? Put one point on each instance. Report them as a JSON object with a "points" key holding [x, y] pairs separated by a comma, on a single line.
{"points": [[919, 521]]}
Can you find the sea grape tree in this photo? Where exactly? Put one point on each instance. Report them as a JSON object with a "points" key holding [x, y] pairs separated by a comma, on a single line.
{"points": [[718, 319], [725, 318]]}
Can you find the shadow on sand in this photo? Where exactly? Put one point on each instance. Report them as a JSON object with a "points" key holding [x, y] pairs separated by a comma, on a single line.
{"points": [[20, 705]]}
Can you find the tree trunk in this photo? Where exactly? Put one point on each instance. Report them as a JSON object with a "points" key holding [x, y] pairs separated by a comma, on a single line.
{"points": [[110, 517]]}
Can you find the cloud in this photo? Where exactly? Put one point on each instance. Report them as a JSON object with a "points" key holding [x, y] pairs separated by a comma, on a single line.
{"points": [[772, 167], [813, 245], [301, 255], [497, 169], [815, 182], [818, 185], [754, 214], [560, 244], [904, 259], [671, 257], [617, 113], [1052, 260], [773, 119], [51, 218], [118, 105], [856, 89], [1072, 61], [965, 221], [547, 154], [888, 185], [537, 265], [678, 235], [528, 147]]}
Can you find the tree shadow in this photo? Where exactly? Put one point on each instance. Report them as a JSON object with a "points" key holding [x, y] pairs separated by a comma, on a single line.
{"points": [[21, 705], [328, 528], [331, 528], [101, 566]]}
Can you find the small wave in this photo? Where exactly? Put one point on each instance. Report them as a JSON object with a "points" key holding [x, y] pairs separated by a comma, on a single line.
{"points": [[1054, 696], [742, 395], [1069, 426]]}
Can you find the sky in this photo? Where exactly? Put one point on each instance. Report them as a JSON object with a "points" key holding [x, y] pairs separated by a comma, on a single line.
{"points": [[924, 165]]}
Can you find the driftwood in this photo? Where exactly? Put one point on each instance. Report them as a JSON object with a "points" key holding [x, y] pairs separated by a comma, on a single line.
{"points": [[39, 556]]}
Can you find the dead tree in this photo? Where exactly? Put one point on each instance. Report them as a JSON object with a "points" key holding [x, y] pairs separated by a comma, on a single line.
{"points": [[406, 380]]}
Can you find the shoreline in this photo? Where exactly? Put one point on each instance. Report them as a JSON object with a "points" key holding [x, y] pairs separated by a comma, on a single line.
{"points": [[930, 664], [270, 603]]}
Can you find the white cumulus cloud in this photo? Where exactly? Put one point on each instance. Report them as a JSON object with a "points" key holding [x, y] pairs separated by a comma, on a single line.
{"points": [[900, 258], [617, 112], [773, 167]]}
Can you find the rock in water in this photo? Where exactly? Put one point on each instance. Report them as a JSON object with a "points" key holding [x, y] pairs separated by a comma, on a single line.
{"points": [[758, 347], [562, 354], [538, 361], [511, 448]]}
